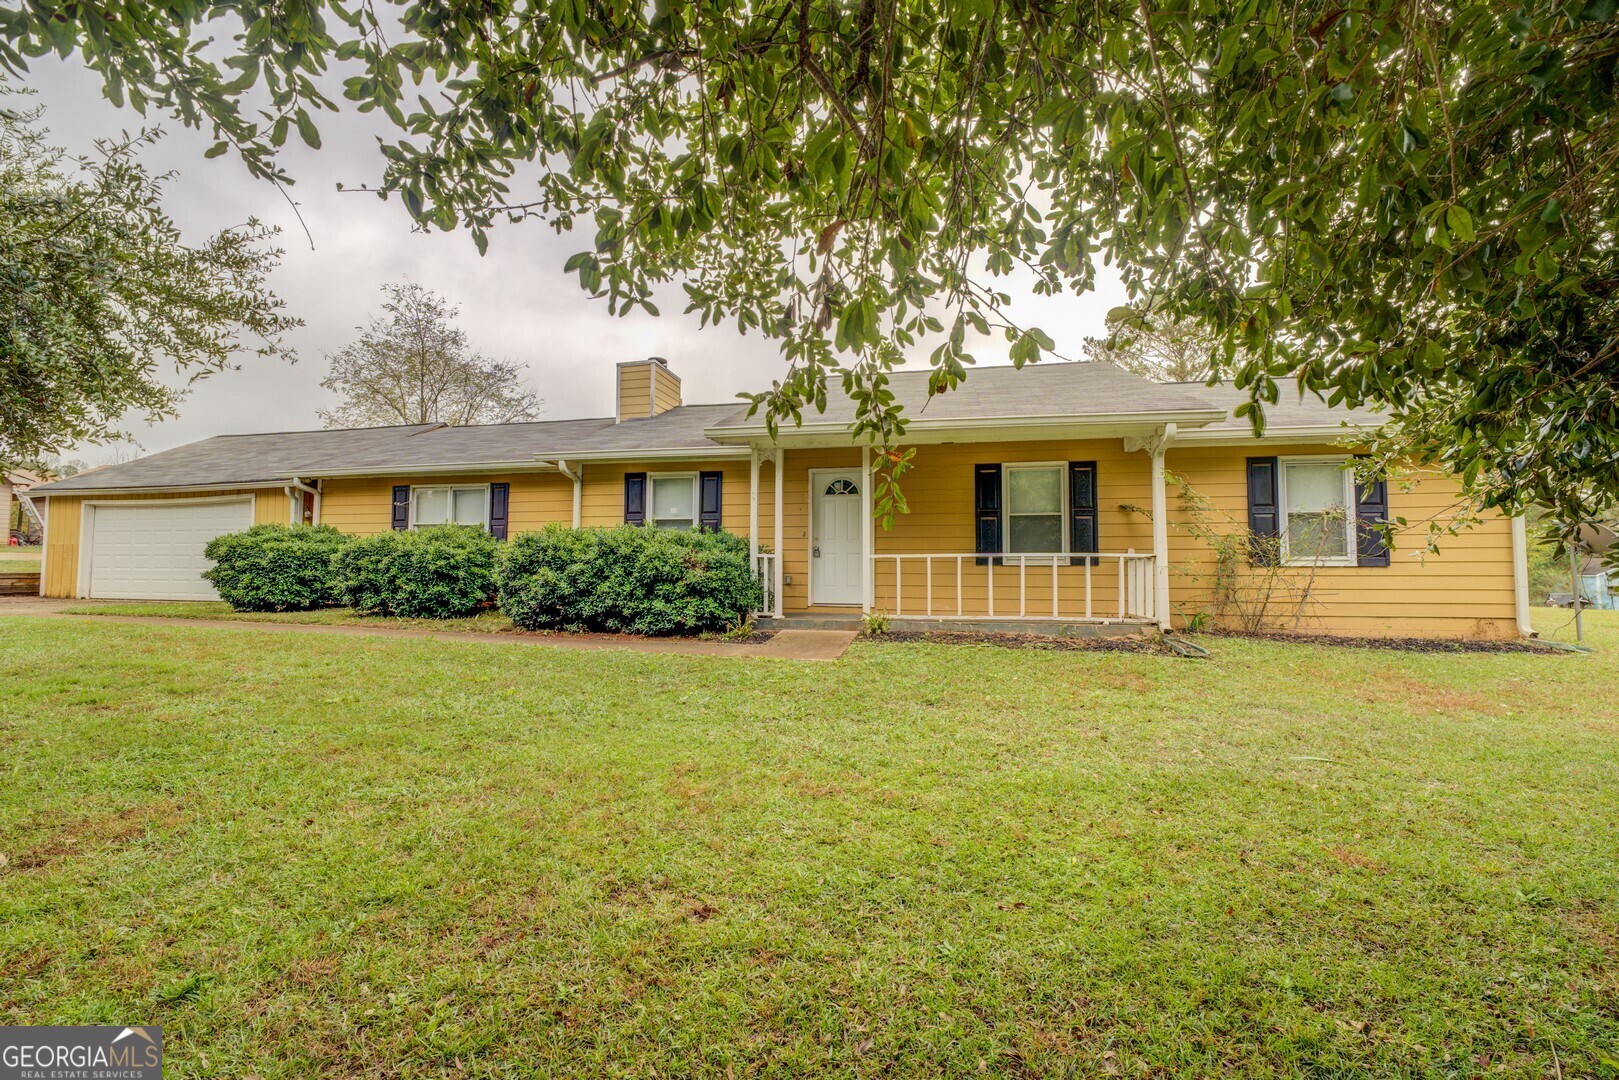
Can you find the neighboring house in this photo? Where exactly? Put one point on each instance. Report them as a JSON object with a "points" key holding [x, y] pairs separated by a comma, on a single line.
{"points": [[19, 522], [1599, 584], [1038, 494]]}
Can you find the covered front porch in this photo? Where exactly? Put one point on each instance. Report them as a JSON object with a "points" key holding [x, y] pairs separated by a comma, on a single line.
{"points": [[1027, 556]]}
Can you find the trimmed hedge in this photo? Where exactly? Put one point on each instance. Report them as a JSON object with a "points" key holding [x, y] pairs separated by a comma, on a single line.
{"points": [[626, 579], [440, 573], [276, 567]]}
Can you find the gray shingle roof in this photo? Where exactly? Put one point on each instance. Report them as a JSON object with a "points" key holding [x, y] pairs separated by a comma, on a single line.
{"points": [[246, 460], [1291, 409], [1050, 389], [1085, 390]]}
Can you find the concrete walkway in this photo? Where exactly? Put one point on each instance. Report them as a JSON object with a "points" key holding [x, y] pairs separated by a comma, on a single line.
{"points": [[785, 645]]}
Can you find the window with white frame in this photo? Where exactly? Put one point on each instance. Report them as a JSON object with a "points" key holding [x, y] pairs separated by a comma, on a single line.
{"points": [[1318, 511], [1036, 508], [672, 500], [466, 505]]}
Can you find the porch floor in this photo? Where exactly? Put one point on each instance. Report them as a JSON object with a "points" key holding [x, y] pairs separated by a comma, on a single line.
{"points": [[1043, 627]]}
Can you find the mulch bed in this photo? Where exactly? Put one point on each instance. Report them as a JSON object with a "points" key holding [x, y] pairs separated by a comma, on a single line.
{"points": [[1397, 644], [1153, 645], [1133, 643]]}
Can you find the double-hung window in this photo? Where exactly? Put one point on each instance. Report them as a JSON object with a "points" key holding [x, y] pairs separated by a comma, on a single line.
{"points": [[672, 500], [1318, 511], [1036, 508], [467, 505]]}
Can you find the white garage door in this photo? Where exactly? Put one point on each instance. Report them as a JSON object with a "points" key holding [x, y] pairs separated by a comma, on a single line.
{"points": [[154, 552]]}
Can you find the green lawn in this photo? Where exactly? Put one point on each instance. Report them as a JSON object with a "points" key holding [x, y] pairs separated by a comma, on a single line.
{"points": [[347, 857], [486, 622], [19, 560]]}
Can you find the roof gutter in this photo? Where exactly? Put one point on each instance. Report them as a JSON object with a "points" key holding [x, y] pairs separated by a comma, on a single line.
{"points": [[540, 462], [664, 454], [1179, 417], [1299, 433], [161, 489]]}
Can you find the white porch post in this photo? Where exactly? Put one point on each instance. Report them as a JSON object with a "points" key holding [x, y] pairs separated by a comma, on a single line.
{"points": [[1160, 528], [753, 509], [867, 585], [778, 537]]}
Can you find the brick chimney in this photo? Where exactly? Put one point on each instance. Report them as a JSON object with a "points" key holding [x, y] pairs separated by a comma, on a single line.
{"points": [[646, 388]]}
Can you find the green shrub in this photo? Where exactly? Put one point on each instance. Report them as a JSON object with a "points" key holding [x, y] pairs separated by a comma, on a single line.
{"points": [[445, 572], [626, 579], [276, 567]]}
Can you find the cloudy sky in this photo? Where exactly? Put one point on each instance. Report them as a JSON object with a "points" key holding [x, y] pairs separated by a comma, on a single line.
{"points": [[516, 303]]}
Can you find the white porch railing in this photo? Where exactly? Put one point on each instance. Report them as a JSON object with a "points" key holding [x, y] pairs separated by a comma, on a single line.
{"points": [[764, 571], [1099, 587]]}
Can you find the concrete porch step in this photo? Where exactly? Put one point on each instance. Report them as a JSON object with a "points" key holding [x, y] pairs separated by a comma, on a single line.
{"points": [[1041, 627]]}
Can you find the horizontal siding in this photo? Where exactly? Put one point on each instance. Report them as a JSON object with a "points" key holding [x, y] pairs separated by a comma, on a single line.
{"points": [[365, 506], [66, 514], [665, 389], [634, 392], [603, 495], [1463, 590]]}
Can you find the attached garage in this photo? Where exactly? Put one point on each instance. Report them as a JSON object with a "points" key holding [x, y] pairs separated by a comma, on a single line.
{"points": [[154, 550]]}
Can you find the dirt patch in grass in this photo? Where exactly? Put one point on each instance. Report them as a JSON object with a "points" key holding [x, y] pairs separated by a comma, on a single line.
{"points": [[1134, 643], [753, 637], [96, 833]]}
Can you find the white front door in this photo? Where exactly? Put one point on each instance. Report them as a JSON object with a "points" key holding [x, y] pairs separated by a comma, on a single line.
{"points": [[835, 554]]}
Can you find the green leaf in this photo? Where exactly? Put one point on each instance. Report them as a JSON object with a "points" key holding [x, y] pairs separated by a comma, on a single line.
{"points": [[307, 130], [1460, 223]]}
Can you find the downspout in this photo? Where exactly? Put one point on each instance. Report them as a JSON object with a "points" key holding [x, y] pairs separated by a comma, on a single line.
{"points": [[44, 528], [1520, 576], [578, 478], [295, 514]]}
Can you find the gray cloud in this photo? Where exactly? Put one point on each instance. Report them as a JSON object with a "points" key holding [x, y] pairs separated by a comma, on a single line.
{"points": [[515, 302]]}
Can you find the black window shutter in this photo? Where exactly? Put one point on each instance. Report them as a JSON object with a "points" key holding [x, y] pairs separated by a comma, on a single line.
{"points": [[401, 517], [1264, 516], [987, 507], [708, 500], [1371, 511], [499, 501], [635, 498], [1083, 534]]}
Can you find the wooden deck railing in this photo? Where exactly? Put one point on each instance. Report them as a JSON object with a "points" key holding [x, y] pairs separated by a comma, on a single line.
{"points": [[1100, 587], [764, 570]]}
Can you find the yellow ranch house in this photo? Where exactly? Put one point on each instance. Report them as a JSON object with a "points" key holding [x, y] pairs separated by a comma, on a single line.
{"points": [[1065, 496]]}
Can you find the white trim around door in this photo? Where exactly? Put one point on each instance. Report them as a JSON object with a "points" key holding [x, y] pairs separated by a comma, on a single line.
{"points": [[837, 539]]}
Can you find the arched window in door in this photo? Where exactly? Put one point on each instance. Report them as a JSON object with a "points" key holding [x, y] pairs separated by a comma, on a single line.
{"points": [[842, 486]]}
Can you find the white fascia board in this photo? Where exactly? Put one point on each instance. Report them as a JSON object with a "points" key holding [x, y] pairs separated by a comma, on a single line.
{"points": [[1276, 435], [524, 465], [161, 489], [665, 454]]}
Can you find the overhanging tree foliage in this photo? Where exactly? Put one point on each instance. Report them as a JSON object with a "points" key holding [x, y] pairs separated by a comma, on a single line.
{"points": [[98, 292], [1400, 203]]}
